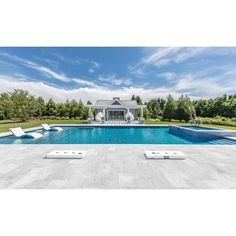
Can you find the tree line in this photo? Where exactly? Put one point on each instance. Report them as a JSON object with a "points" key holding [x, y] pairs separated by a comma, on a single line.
{"points": [[185, 109], [20, 104]]}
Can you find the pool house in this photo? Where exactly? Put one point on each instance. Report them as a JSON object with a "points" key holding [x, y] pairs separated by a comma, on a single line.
{"points": [[117, 109]]}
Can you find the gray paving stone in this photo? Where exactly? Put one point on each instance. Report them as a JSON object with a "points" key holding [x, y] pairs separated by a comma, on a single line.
{"points": [[118, 166]]}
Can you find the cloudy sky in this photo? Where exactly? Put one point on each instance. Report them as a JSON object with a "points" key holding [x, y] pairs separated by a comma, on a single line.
{"points": [[101, 73]]}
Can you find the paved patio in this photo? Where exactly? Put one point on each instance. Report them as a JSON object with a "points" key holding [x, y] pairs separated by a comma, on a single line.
{"points": [[118, 166]]}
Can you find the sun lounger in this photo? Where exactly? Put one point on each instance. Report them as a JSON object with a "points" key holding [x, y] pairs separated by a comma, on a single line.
{"points": [[48, 128], [66, 154], [176, 155], [20, 133]]}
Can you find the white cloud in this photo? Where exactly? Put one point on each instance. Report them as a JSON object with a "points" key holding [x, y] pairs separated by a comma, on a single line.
{"points": [[85, 93], [84, 82], [93, 64], [160, 57], [112, 79], [168, 75], [204, 86], [164, 56], [48, 72]]}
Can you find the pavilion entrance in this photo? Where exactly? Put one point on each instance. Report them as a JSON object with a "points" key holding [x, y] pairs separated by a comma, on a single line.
{"points": [[116, 115]]}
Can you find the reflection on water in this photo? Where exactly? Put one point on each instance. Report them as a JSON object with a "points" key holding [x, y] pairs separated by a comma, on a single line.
{"points": [[111, 135]]}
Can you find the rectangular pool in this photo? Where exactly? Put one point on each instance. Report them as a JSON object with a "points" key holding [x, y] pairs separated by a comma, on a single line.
{"points": [[114, 135]]}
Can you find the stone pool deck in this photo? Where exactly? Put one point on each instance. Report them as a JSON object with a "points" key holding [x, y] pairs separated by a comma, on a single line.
{"points": [[118, 166]]}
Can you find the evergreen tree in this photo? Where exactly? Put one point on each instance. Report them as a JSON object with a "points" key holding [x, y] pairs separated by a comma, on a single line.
{"points": [[41, 107], [133, 97], [51, 108], [20, 100], [138, 100], [169, 110], [154, 108], [185, 109], [6, 106]]}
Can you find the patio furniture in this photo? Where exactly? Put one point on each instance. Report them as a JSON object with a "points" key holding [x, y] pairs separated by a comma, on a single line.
{"points": [[20, 133], [48, 128], [66, 154], [175, 155]]}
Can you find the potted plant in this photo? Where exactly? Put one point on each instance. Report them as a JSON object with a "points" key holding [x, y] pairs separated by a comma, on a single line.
{"points": [[128, 119], [89, 120]]}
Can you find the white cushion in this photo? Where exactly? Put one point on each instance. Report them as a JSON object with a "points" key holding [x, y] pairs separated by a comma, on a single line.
{"points": [[164, 155], [70, 154]]}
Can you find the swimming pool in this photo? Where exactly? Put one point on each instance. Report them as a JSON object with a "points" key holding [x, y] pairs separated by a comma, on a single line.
{"points": [[114, 135], [198, 127]]}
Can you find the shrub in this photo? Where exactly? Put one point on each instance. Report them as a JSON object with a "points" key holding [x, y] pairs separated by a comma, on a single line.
{"points": [[219, 121], [52, 117], [2, 116]]}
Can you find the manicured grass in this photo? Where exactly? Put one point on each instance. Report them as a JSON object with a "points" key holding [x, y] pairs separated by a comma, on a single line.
{"points": [[221, 126], [6, 124], [157, 122]]}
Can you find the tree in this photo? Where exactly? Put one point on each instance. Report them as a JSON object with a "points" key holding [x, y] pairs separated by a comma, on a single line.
{"points": [[89, 102], [185, 109], [154, 108], [138, 100], [41, 107], [6, 106], [51, 108], [73, 109], [169, 109], [20, 99], [62, 110], [161, 101]]}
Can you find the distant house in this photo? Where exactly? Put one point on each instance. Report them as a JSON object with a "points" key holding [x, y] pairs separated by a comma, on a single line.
{"points": [[117, 109]]}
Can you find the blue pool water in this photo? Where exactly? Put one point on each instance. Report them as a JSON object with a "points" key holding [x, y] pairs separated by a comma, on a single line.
{"points": [[112, 135], [198, 127]]}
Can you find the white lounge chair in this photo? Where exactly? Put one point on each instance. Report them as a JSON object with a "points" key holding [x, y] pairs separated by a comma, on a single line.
{"points": [[48, 128], [20, 133], [66, 154], [176, 155]]}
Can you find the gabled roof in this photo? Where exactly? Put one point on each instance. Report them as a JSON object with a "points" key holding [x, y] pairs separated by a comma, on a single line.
{"points": [[110, 102]]}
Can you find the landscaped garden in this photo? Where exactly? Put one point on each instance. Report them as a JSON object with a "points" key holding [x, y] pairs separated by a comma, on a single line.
{"points": [[20, 108]]}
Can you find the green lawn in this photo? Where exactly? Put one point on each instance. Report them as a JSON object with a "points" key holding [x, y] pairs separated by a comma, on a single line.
{"points": [[5, 125], [157, 122]]}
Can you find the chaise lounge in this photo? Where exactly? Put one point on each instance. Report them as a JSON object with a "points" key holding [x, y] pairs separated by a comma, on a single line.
{"points": [[48, 128], [20, 133]]}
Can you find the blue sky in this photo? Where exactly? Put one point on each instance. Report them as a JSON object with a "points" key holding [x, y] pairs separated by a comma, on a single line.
{"points": [[101, 73]]}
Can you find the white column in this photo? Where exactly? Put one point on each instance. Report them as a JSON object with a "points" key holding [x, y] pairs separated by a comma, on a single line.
{"points": [[142, 112], [104, 113]]}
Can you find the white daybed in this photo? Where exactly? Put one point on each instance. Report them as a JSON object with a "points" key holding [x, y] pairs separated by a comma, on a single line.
{"points": [[48, 128], [20, 133]]}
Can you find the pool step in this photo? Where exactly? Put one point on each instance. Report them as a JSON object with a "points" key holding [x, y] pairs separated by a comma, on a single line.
{"points": [[222, 141]]}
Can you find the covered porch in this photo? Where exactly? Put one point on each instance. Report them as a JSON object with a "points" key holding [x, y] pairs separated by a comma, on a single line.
{"points": [[117, 112]]}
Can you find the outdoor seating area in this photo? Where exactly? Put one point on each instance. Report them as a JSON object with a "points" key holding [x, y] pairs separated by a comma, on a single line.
{"points": [[20, 133]]}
